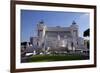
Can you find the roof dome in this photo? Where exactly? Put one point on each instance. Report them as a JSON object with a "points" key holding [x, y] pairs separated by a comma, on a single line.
{"points": [[41, 25], [74, 24], [41, 22]]}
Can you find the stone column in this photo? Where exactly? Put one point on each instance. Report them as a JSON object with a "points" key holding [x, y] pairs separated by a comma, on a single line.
{"points": [[58, 37]]}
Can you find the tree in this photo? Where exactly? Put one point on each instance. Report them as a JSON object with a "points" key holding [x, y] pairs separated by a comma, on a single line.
{"points": [[24, 44], [88, 45], [86, 33]]}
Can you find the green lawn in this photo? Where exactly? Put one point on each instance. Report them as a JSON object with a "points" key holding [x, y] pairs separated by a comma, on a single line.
{"points": [[48, 58]]}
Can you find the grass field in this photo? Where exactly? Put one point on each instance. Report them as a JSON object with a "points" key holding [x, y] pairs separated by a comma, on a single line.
{"points": [[48, 58]]}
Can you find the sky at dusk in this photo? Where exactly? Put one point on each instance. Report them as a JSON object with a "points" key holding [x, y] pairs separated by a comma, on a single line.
{"points": [[30, 19]]}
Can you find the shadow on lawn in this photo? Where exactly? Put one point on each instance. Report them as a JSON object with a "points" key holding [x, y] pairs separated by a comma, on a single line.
{"points": [[49, 58]]}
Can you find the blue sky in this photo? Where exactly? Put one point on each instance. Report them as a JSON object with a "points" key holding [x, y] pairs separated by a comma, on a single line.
{"points": [[30, 19]]}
